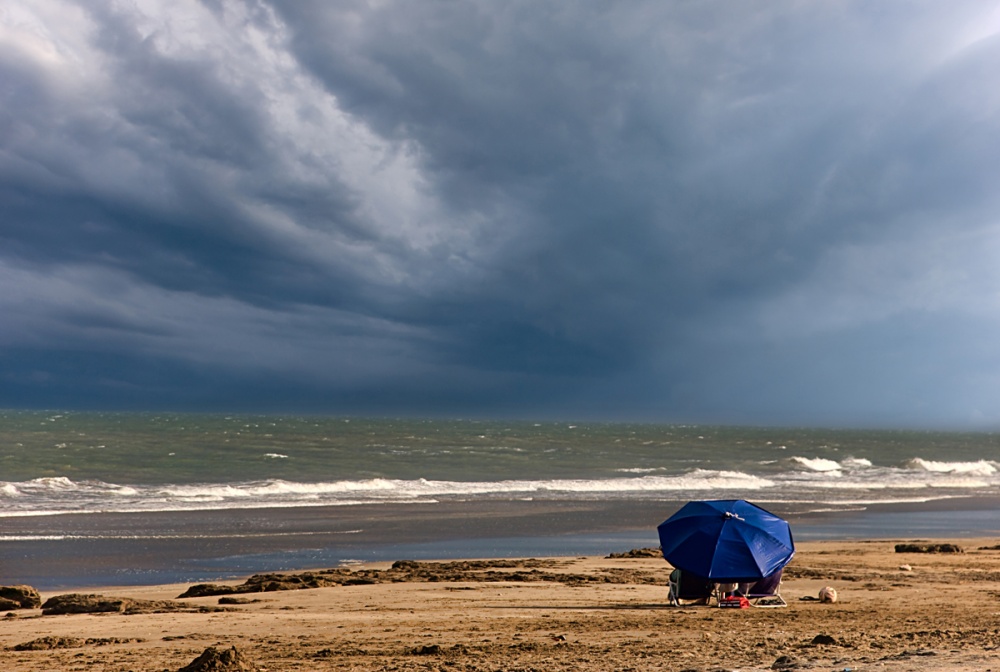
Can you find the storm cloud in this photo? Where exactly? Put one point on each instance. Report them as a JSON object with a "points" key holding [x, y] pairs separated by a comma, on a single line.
{"points": [[723, 212]]}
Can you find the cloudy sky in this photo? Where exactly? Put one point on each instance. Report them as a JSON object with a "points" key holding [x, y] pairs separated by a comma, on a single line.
{"points": [[713, 211]]}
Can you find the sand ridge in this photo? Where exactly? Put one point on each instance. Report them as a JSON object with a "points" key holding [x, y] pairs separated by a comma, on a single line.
{"points": [[896, 611]]}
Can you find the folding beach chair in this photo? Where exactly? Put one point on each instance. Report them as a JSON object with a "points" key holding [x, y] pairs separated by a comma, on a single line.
{"points": [[689, 589], [765, 592]]}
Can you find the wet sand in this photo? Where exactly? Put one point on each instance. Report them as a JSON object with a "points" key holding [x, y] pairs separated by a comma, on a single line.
{"points": [[942, 612], [73, 551]]}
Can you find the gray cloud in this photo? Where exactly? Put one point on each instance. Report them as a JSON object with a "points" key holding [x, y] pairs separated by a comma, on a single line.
{"points": [[670, 211]]}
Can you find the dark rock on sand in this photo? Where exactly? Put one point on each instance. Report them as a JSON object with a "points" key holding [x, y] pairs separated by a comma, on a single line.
{"points": [[268, 583], [637, 553], [823, 640], [532, 570], [51, 642], [210, 590], [19, 597], [220, 660], [786, 663], [239, 600], [929, 548], [48, 643], [76, 603]]}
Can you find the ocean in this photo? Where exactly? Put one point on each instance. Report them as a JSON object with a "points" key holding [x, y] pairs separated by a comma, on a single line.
{"points": [[124, 498]]}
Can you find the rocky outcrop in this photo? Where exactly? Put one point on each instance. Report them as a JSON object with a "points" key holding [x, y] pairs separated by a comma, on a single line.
{"points": [[76, 603], [19, 597], [637, 553], [929, 548], [52, 642], [266, 583], [49, 643], [526, 570], [220, 660]]}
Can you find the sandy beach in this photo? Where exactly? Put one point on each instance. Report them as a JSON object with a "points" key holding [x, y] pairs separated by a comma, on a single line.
{"points": [[896, 611]]}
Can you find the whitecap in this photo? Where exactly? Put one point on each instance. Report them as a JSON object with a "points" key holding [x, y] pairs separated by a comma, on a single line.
{"points": [[53, 483], [856, 463], [817, 464], [980, 467]]}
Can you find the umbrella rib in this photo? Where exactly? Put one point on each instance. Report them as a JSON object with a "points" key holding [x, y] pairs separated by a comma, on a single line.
{"points": [[718, 542]]}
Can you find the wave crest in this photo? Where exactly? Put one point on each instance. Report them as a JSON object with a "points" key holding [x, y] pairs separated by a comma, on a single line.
{"points": [[64, 495], [978, 468], [817, 463]]}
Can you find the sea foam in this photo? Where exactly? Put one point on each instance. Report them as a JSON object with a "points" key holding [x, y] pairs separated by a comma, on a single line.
{"points": [[980, 467], [64, 495], [796, 479], [817, 463]]}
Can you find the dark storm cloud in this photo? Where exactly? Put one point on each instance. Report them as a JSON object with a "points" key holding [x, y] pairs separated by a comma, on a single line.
{"points": [[666, 157], [664, 210]]}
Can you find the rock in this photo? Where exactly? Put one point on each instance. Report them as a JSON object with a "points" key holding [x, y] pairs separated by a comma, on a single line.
{"points": [[529, 569], [785, 663], [48, 643], [823, 640], [24, 597], [209, 590], [216, 660], [52, 642], [75, 603], [929, 548], [637, 553], [827, 594], [906, 568], [269, 583], [427, 650]]}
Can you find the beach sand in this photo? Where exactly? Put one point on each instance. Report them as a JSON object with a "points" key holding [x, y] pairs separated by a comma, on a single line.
{"points": [[555, 614]]}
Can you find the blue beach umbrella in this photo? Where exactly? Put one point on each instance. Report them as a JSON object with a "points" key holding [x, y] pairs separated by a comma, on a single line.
{"points": [[727, 540]]}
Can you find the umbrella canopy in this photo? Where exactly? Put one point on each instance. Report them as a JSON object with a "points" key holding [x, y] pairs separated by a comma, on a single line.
{"points": [[728, 540]]}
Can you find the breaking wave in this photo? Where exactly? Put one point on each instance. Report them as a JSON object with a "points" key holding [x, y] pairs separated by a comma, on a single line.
{"points": [[809, 480], [817, 464], [980, 467], [62, 495]]}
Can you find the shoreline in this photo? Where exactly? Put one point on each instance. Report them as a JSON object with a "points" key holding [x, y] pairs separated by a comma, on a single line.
{"points": [[75, 551]]}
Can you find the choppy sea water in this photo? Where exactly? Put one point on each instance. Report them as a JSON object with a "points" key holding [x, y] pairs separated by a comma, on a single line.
{"points": [[90, 498], [53, 463]]}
